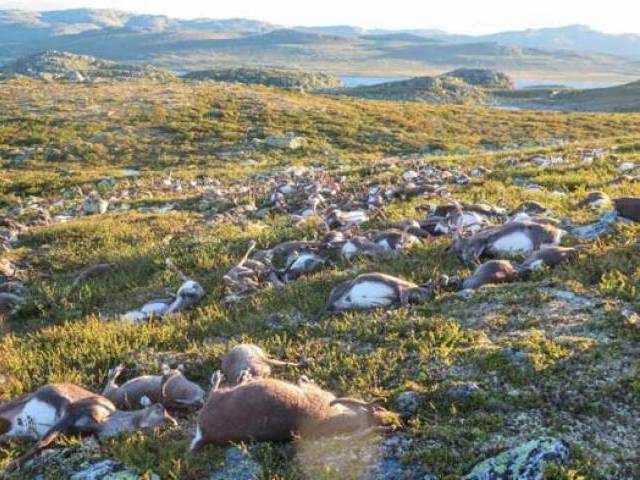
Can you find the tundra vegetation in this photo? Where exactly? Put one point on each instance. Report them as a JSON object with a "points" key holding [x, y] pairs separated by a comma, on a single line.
{"points": [[552, 355]]}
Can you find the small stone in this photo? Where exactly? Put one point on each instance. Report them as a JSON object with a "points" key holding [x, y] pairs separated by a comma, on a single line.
{"points": [[526, 462], [238, 465], [408, 403], [107, 470], [289, 142], [463, 390]]}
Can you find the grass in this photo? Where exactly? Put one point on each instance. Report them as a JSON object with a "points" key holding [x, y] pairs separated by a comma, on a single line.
{"points": [[544, 365]]}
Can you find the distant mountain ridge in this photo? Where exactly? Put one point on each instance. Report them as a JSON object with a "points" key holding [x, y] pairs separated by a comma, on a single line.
{"points": [[199, 44]]}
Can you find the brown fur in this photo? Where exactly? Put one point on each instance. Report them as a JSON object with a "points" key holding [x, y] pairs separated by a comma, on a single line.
{"points": [[493, 272], [95, 271], [273, 410], [172, 389], [251, 359], [82, 411], [550, 257], [475, 246], [628, 208], [404, 292], [593, 197]]}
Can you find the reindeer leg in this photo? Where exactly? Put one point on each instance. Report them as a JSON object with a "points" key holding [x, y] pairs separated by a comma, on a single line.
{"points": [[112, 377], [244, 377], [216, 380]]}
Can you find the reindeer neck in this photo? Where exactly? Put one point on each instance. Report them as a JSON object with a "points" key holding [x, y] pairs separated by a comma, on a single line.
{"points": [[120, 422]]}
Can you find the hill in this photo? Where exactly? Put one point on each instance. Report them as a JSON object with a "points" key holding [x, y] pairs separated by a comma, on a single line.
{"points": [[541, 373], [183, 45], [483, 78], [54, 65], [270, 77], [621, 98], [573, 37], [443, 90]]}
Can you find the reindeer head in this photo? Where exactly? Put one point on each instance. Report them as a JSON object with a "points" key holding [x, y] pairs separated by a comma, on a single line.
{"points": [[155, 415], [190, 293], [178, 392], [466, 245], [376, 415]]}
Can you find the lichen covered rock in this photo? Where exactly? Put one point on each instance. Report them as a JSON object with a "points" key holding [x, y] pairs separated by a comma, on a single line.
{"points": [[525, 462], [238, 465]]}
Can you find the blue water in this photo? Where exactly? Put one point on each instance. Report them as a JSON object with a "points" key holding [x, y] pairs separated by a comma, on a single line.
{"points": [[363, 81], [580, 84]]}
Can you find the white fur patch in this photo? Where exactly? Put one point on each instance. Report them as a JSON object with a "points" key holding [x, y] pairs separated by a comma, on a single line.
{"points": [[300, 263], [384, 243], [441, 227], [349, 250], [536, 265], [155, 308], [196, 440], [36, 418], [516, 242], [367, 295], [521, 217]]}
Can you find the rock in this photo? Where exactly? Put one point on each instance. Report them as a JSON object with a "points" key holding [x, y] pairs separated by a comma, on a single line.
{"points": [[74, 76], [270, 77], [238, 465], [394, 469], [525, 462], [484, 78], [289, 142], [591, 231], [108, 470], [441, 90], [463, 390], [95, 205], [390, 465], [52, 65], [572, 298], [408, 403]]}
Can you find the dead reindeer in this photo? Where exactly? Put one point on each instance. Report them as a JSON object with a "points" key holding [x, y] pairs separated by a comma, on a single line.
{"points": [[172, 389], [357, 246], [299, 264], [512, 238], [412, 227], [550, 257], [251, 360], [188, 295], [628, 208], [373, 290], [494, 272], [595, 200], [249, 275], [531, 208], [69, 409], [283, 251], [273, 410], [395, 242], [338, 218], [95, 271]]}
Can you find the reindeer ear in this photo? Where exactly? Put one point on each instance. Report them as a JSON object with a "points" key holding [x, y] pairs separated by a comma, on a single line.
{"points": [[165, 369], [180, 368], [145, 401]]}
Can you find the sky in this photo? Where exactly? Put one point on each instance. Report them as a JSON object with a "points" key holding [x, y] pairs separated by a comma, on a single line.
{"points": [[457, 16]]}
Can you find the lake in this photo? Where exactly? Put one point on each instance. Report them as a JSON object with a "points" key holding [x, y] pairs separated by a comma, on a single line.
{"points": [[363, 81]]}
